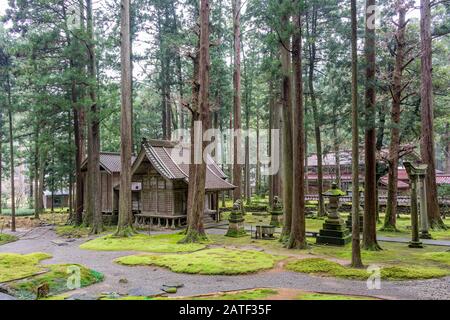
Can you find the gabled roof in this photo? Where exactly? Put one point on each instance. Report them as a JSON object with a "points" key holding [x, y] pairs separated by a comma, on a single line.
{"points": [[171, 162], [110, 161]]}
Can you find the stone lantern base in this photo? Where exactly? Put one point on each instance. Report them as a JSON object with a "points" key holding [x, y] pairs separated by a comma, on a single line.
{"points": [[276, 218], [349, 222], [236, 226], [334, 232]]}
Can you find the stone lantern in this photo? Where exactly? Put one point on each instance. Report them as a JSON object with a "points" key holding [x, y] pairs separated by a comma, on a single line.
{"points": [[417, 174], [236, 221], [276, 212], [349, 221], [334, 230]]}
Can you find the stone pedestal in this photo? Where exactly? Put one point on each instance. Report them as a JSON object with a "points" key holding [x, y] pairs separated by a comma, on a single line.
{"points": [[236, 226], [276, 218], [334, 232]]}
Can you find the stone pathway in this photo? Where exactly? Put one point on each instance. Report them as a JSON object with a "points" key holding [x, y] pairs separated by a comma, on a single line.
{"points": [[148, 280], [441, 243]]}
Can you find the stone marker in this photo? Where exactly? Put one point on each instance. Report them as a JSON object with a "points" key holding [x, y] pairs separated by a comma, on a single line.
{"points": [[236, 221], [276, 212], [334, 231]]}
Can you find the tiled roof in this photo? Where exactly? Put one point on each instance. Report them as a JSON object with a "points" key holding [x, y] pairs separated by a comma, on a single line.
{"points": [[110, 161], [172, 162], [400, 184], [443, 179]]}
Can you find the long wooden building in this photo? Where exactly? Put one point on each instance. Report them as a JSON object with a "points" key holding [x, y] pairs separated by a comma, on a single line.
{"points": [[110, 167], [164, 180]]}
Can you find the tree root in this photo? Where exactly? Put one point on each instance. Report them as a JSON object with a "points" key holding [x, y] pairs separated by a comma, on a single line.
{"points": [[372, 247], [124, 232], [293, 243], [193, 236]]}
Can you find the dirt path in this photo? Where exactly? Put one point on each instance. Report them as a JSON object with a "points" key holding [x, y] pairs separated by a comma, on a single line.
{"points": [[144, 281]]}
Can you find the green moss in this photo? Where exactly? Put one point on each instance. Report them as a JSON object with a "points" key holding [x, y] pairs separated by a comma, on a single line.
{"points": [[6, 238], [328, 268], [209, 262], [16, 266], [443, 257], [159, 243], [325, 296], [77, 231], [56, 278], [256, 294]]}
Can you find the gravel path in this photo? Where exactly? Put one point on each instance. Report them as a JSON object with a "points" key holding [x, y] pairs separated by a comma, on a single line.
{"points": [[148, 280]]}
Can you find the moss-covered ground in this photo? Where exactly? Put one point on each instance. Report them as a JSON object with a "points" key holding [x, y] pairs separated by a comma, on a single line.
{"points": [[21, 275], [163, 243], [56, 278], [431, 261], [16, 266], [318, 266], [68, 231], [6, 238], [404, 229], [254, 294], [218, 261]]}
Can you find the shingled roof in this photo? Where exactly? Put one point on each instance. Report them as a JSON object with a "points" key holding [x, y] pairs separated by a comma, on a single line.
{"points": [[110, 161], [171, 162]]}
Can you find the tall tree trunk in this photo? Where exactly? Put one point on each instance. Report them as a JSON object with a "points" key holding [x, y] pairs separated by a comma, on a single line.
{"points": [[79, 154], [11, 159], [356, 246], [274, 180], [370, 190], [195, 231], [447, 148], [336, 151], [391, 207], [317, 123], [125, 223], [427, 147], [298, 232], [1, 160], [286, 98], [258, 162], [237, 165], [94, 210], [37, 209]]}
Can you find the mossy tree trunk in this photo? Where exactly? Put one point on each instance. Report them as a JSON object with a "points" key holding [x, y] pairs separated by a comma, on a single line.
{"points": [[311, 28], [298, 228], [125, 222], [237, 163], [195, 230], [286, 98], [94, 208], [356, 242], [391, 208], [427, 146], [370, 190]]}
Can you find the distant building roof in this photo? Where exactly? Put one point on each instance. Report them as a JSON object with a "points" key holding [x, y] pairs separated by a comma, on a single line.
{"points": [[171, 162], [110, 161], [345, 156]]}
